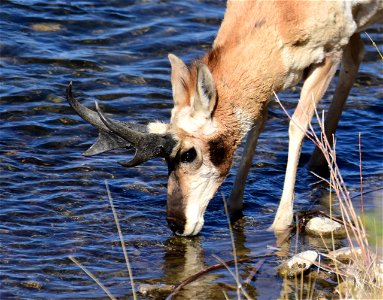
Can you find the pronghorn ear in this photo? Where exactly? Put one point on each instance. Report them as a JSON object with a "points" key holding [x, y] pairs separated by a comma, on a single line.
{"points": [[204, 101], [180, 75]]}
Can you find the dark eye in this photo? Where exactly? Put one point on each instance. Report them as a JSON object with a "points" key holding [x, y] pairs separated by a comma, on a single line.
{"points": [[188, 156]]}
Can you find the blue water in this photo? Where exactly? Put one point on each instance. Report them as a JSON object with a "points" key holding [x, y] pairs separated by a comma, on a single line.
{"points": [[53, 200]]}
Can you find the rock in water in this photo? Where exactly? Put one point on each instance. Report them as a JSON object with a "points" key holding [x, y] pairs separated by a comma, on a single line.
{"points": [[320, 226], [346, 253], [154, 289], [298, 263]]}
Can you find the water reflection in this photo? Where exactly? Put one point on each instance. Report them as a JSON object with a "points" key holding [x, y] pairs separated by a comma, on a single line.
{"points": [[185, 257]]}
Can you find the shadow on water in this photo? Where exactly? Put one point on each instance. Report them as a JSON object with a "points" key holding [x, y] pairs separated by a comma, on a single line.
{"points": [[53, 202]]}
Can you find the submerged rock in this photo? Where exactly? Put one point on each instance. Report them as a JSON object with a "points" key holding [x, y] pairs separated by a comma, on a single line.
{"points": [[32, 284], [345, 253], [46, 27], [321, 226], [298, 263], [146, 289]]}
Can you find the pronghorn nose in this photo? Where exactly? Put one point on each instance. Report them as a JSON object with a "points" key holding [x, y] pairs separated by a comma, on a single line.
{"points": [[176, 225]]}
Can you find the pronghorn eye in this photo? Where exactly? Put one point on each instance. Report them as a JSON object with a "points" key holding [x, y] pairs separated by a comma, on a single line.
{"points": [[188, 156]]}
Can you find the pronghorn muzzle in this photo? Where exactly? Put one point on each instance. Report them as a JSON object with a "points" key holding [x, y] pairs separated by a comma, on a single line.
{"points": [[114, 134]]}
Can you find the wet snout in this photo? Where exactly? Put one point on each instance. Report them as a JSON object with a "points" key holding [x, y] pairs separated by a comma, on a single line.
{"points": [[176, 225], [185, 228], [186, 204], [185, 222]]}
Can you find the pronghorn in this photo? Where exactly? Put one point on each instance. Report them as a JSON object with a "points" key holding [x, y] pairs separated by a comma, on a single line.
{"points": [[262, 47]]}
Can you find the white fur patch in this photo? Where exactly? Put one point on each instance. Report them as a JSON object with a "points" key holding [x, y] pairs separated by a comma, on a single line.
{"points": [[158, 127], [243, 119], [201, 190], [193, 124]]}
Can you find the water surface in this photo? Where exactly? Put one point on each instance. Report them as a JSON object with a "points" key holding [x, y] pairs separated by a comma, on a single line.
{"points": [[53, 200]]}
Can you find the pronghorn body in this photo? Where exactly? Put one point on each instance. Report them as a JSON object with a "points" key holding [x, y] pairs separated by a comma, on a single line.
{"points": [[262, 47]]}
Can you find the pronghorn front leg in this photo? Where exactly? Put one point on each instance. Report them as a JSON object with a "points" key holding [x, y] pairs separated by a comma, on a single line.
{"points": [[312, 91], [236, 196]]}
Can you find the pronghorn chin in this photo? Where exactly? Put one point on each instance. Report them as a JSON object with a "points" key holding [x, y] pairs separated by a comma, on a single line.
{"points": [[188, 197]]}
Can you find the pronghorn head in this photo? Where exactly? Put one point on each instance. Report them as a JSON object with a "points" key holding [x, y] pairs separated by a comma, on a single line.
{"points": [[197, 152]]}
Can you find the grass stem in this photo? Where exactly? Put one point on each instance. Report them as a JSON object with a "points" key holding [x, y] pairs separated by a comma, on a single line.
{"points": [[122, 241], [89, 273]]}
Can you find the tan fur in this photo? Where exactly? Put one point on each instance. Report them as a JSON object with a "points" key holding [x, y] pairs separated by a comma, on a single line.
{"points": [[247, 62]]}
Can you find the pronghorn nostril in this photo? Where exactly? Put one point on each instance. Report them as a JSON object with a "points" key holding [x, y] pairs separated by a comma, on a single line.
{"points": [[176, 225]]}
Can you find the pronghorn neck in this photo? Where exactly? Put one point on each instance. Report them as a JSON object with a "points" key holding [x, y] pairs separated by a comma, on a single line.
{"points": [[243, 91], [247, 63]]}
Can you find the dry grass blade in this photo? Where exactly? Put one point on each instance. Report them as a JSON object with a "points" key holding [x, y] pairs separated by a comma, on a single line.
{"points": [[254, 271], [336, 182], [236, 278], [225, 295], [361, 174], [87, 272], [361, 270], [122, 241], [233, 247], [205, 271], [375, 45]]}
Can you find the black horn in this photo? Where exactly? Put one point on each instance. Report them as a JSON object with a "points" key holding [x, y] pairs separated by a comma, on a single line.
{"points": [[114, 134], [87, 114], [106, 139], [148, 145]]}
